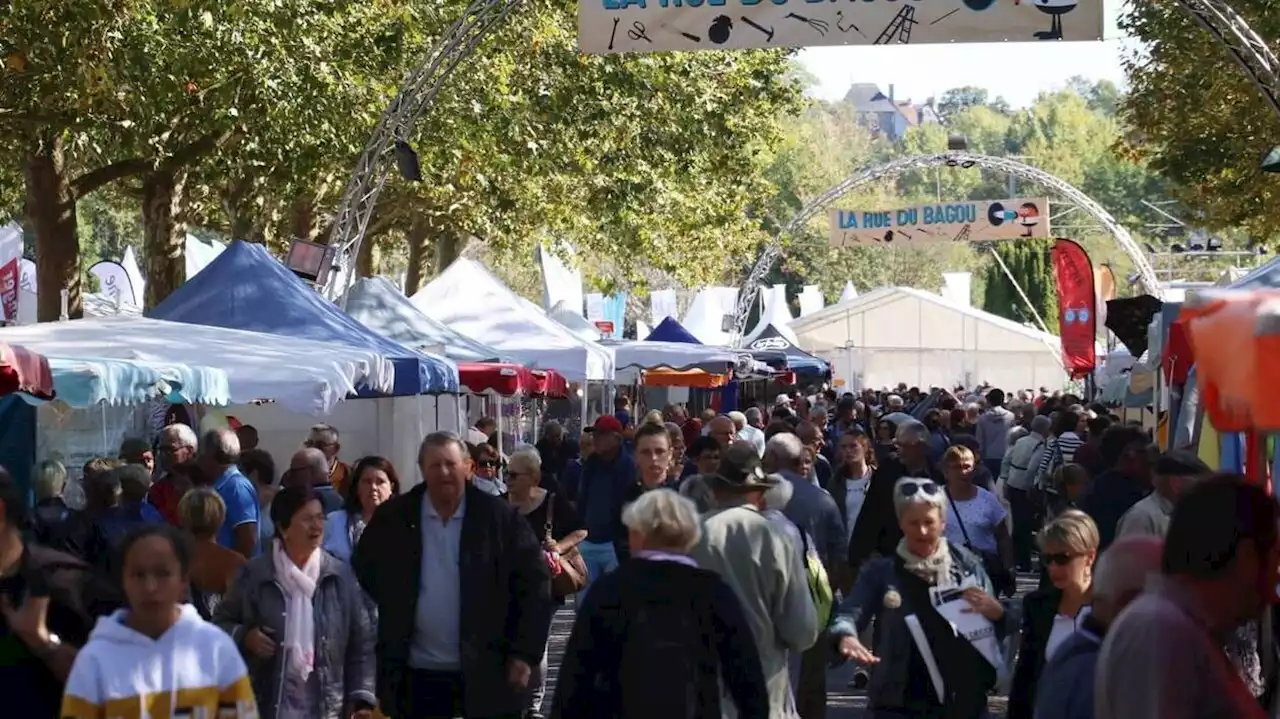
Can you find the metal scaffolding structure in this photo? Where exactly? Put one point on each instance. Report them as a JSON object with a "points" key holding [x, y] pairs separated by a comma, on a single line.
{"points": [[481, 16], [1057, 186]]}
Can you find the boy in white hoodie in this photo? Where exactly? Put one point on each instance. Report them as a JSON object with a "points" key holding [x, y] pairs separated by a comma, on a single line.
{"points": [[158, 659]]}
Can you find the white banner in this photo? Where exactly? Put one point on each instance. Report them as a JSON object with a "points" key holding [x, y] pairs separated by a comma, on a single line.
{"points": [[113, 281], [662, 304], [595, 307], [561, 284], [957, 288], [615, 26], [811, 300], [130, 264], [10, 272]]}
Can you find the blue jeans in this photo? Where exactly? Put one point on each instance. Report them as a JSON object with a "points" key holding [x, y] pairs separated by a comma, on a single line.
{"points": [[600, 558]]}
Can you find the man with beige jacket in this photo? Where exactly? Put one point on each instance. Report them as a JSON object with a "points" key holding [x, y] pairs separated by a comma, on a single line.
{"points": [[763, 566]]}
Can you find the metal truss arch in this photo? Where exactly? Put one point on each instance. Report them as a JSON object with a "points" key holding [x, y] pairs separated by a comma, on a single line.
{"points": [[480, 17], [1061, 188]]}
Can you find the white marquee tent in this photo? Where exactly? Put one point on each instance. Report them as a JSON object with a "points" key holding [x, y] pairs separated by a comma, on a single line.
{"points": [[776, 312], [897, 334], [470, 300], [706, 316]]}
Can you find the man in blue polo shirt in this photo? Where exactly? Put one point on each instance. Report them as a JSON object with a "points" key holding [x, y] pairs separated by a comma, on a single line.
{"points": [[218, 454], [606, 476]]}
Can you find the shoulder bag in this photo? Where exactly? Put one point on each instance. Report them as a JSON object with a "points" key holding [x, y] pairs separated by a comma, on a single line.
{"points": [[1002, 579], [572, 576]]}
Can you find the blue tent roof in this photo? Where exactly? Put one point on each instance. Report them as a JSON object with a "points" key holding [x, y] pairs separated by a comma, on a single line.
{"points": [[799, 361], [382, 307], [670, 330], [245, 288]]}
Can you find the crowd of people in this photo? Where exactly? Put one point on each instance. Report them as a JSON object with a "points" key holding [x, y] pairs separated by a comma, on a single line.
{"points": [[718, 565]]}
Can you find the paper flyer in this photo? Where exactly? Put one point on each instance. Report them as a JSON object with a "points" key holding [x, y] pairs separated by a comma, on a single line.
{"points": [[981, 633]]}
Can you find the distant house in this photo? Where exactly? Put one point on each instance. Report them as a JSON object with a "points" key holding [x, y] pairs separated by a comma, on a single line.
{"points": [[885, 114]]}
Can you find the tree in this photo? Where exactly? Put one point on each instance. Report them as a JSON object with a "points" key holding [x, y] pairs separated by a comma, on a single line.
{"points": [[1196, 119], [961, 98], [1029, 264]]}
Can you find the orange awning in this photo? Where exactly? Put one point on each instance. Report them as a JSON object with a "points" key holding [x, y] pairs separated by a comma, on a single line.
{"points": [[694, 378]]}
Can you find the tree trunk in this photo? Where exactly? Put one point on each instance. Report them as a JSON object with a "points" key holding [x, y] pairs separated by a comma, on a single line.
{"points": [[417, 239], [51, 211], [366, 261], [164, 234], [302, 215], [239, 216], [448, 247]]}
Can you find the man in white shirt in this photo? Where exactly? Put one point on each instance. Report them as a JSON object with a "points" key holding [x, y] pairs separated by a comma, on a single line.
{"points": [[747, 433]]}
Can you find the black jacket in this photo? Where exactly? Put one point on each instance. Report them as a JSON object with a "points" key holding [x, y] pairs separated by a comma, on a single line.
{"points": [[1038, 610], [652, 640], [506, 597], [877, 530]]}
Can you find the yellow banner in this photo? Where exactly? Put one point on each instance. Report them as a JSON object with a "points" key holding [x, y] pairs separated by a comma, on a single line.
{"points": [[616, 26], [966, 221]]}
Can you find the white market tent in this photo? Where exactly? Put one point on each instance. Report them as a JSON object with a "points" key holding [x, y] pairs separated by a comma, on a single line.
{"points": [[305, 376], [470, 300], [705, 318], [574, 322], [898, 334], [777, 313]]}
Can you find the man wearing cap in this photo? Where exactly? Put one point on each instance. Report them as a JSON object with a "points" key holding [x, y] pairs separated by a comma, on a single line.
{"points": [[762, 565], [607, 476], [1175, 473]]}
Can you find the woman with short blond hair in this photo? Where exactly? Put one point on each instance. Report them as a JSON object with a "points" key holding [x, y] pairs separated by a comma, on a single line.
{"points": [[660, 604], [213, 566], [1068, 549]]}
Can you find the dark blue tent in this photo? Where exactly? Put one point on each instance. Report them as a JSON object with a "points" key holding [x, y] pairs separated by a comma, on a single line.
{"points": [[771, 339], [245, 288], [670, 330]]}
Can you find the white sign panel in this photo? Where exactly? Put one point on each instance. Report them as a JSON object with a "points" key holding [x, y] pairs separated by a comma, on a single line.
{"points": [[616, 26]]}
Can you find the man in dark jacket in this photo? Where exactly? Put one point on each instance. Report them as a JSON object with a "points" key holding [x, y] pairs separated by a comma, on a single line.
{"points": [[1065, 689], [49, 602], [1127, 453], [463, 594]]}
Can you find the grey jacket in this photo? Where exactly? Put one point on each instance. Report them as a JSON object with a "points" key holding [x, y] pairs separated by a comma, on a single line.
{"points": [[345, 635]]}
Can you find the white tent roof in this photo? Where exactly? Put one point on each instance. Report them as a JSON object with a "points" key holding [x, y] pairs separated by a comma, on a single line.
{"points": [[776, 313], [469, 299], [706, 315], [575, 322], [848, 293], [306, 376], [673, 355]]}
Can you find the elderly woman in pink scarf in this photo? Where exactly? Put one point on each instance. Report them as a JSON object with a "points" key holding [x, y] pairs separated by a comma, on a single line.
{"points": [[301, 622]]}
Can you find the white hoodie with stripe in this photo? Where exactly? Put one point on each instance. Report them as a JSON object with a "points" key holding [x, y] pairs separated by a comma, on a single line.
{"points": [[193, 671]]}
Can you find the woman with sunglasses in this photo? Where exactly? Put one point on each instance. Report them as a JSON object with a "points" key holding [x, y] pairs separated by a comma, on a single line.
{"points": [[1068, 549], [487, 461], [891, 589]]}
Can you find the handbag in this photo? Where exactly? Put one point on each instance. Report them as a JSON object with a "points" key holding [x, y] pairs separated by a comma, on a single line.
{"points": [[572, 576], [1002, 579]]}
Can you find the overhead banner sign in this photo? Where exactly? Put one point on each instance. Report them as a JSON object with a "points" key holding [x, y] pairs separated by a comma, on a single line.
{"points": [[968, 221], [617, 26]]}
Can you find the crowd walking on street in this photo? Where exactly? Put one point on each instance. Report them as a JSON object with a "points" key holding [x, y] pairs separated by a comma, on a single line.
{"points": [[949, 554]]}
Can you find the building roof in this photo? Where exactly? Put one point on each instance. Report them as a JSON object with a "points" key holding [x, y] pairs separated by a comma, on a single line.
{"points": [[883, 295]]}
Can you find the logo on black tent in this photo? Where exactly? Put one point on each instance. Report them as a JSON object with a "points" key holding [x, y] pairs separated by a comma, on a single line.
{"points": [[770, 343]]}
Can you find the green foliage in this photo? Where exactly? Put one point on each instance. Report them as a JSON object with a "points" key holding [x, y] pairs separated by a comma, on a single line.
{"points": [[1029, 262], [1197, 119]]}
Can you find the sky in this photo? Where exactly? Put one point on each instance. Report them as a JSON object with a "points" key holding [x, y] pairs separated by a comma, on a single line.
{"points": [[1016, 71]]}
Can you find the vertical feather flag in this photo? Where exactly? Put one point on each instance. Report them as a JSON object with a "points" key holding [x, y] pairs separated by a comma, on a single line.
{"points": [[1077, 307]]}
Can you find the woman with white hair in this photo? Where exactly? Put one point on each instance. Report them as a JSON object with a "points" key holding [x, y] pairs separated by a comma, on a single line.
{"points": [[891, 589], [655, 637]]}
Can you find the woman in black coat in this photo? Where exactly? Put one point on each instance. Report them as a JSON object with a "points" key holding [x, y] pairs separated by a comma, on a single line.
{"points": [[1068, 548], [656, 636]]}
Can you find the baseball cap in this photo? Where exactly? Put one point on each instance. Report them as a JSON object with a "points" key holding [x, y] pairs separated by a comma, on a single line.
{"points": [[607, 423], [783, 399]]}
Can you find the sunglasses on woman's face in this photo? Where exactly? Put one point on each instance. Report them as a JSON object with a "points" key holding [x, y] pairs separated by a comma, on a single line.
{"points": [[487, 463], [1061, 559], [909, 489]]}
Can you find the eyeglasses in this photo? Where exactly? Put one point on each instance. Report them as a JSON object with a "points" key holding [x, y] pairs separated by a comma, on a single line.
{"points": [[1061, 559], [487, 463], [909, 489]]}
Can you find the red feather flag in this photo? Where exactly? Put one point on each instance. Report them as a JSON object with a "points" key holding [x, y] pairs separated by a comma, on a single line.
{"points": [[1077, 307]]}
